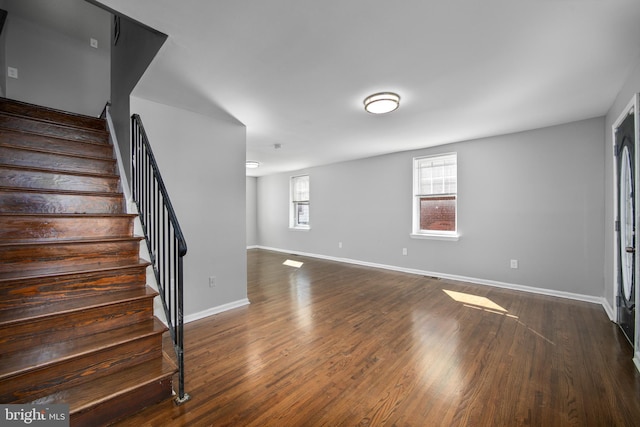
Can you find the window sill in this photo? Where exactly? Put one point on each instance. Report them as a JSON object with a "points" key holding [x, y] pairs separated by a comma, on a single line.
{"points": [[427, 236], [299, 228]]}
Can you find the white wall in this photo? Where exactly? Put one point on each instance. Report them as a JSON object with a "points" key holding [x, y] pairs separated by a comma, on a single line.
{"points": [[202, 159], [535, 196], [55, 70], [252, 211]]}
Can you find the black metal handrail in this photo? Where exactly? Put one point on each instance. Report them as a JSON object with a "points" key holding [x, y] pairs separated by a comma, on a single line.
{"points": [[165, 240]]}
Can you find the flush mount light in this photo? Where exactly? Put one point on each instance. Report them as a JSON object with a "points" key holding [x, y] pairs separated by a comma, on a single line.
{"points": [[252, 164], [383, 102]]}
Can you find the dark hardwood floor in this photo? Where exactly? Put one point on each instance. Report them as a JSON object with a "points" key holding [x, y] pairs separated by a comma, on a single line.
{"points": [[330, 344]]}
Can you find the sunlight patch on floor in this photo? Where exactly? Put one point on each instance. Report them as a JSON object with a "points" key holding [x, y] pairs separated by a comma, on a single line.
{"points": [[291, 263], [475, 300], [485, 304]]}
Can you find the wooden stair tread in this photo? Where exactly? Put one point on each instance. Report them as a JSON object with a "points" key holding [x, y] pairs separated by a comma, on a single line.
{"points": [[54, 144], [38, 254], [32, 124], [60, 171], [63, 241], [54, 180], [41, 241], [13, 316], [62, 192], [29, 200], [93, 393], [71, 270], [31, 225], [41, 356], [44, 151], [57, 162], [57, 153], [51, 115], [67, 215]]}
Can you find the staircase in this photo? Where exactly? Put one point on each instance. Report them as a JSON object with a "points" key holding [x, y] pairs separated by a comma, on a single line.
{"points": [[76, 316]]}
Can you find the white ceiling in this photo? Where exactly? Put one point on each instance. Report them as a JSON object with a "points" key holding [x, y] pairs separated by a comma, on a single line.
{"points": [[295, 72]]}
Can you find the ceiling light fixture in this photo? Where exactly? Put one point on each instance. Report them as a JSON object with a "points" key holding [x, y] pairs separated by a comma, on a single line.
{"points": [[382, 102], [252, 164]]}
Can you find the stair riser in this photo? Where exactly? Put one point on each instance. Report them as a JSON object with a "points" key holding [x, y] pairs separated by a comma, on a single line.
{"points": [[64, 326], [19, 178], [125, 405], [53, 227], [32, 385], [56, 162], [54, 145], [52, 130], [29, 292], [30, 257], [34, 202], [35, 111]]}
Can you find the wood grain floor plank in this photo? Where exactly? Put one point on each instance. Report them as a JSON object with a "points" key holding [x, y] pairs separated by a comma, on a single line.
{"points": [[330, 344]]}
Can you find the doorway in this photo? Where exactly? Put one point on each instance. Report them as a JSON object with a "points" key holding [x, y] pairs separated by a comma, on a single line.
{"points": [[625, 155]]}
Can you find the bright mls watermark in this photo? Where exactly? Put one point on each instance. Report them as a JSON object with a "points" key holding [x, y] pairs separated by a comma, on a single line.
{"points": [[35, 415]]}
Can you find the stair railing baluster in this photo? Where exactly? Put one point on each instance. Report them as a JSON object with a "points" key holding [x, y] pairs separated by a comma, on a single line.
{"points": [[157, 229], [166, 248]]}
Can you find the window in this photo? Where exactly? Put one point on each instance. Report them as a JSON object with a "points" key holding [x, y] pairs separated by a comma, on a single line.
{"points": [[435, 185], [299, 214]]}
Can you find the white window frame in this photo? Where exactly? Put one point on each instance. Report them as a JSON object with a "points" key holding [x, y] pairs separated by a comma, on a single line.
{"points": [[296, 199], [418, 194]]}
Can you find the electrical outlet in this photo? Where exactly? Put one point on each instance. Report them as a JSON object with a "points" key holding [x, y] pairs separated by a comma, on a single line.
{"points": [[340, 245], [212, 281], [12, 72], [514, 263], [404, 251], [94, 43]]}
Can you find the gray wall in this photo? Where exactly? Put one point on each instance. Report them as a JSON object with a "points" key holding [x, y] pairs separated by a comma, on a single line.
{"points": [[136, 47], [534, 196], [55, 70], [252, 211], [3, 55], [630, 88], [202, 163]]}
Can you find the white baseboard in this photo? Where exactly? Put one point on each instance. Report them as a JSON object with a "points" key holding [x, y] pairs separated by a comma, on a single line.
{"points": [[608, 309], [215, 310], [550, 292]]}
